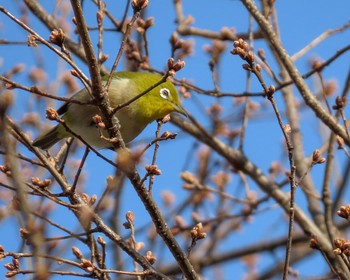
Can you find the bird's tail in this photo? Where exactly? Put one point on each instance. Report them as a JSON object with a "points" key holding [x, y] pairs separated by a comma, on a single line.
{"points": [[49, 138]]}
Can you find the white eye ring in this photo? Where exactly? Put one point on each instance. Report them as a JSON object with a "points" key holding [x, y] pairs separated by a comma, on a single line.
{"points": [[164, 93]]}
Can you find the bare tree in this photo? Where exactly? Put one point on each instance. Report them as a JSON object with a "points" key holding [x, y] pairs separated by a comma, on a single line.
{"points": [[225, 209]]}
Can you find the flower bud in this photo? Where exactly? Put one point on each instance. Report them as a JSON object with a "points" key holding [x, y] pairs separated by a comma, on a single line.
{"points": [[76, 251], [150, 257], [171, 63], [153, 170], [139, 5], [179, 65], [57, 37]]}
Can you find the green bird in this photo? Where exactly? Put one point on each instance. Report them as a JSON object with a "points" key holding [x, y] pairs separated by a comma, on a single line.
{"points": [[133, 118]]}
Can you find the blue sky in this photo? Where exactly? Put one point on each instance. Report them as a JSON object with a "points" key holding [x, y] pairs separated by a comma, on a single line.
{"points": [[300, 22]]}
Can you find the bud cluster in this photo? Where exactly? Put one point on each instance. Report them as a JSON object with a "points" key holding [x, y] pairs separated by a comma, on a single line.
{"points": [[174, 67], [342, 246], [139, 5], [241, 48], [36, 181], [153, 170], [132, 53], [97, 119], [57, 37], [150, 257], [340, 102], [183, 48], [51, 114], [89, 200], [168, 135], [197, 232], [143, 25], [12, 267], [344, 212], [316, 157], [175, 42], [32, 40], [84, 263], [130, 220]]}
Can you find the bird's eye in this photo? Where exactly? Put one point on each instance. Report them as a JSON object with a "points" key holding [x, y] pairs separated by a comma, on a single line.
{"points": [[164, 93]]}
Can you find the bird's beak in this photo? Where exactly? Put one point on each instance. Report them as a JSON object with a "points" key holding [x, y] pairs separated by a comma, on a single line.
{"points": [[178, 108]]}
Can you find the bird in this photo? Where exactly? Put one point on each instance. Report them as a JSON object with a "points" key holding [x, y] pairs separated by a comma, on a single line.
{"points": [[133, 118]]}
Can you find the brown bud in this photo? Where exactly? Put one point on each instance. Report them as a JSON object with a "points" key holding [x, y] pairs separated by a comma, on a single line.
{"points": [[168, 198], [76, 251], [74, 73], [250, 57], [18, 68], [340, 102], [93, 200], [339, 242], [10, 274], [24, 233], [245, 46], [337, 251], [340, 142], [5, 169], [16, 204], [6, 100], [246, 67], [85, 263], [139, 5], [188, 177], [51, 114], [10, 86], [100, 240], [130, 217], [234, 52], [149, 22], [31, 41], [272, 89], [315, 155], [15, 263], [171, 73], [197, 232], [139, 246], [168, 135], [57, 37], [171, 63], [314, 243], [97, 119], [321, 160], [104, 58], [331, 87], [179, 65], [242, 54], [46, 183], [315, 63], [85, 197], [174, 38], [153, 170], [150, 257], [258, 67], [344, 212], [9, 266], [261, 54], [236, 43], [226, 33]]}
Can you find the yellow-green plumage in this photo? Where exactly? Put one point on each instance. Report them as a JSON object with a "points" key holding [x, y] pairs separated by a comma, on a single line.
{"points": [[133, 118]]}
